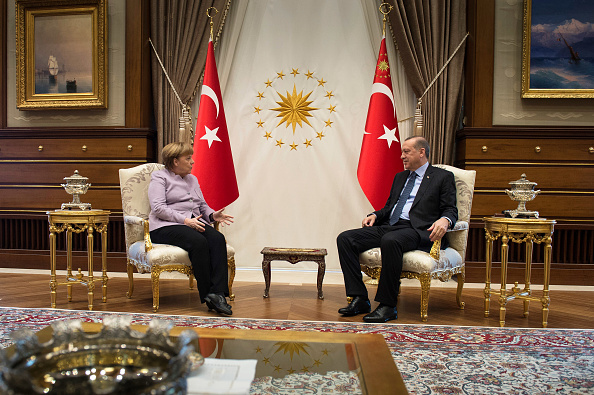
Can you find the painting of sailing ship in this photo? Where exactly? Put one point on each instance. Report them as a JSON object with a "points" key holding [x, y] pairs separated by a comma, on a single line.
{"points": [[561, 50], [63, 54]]}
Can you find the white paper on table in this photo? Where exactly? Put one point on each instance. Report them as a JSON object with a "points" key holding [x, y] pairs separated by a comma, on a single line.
{"points": [[223, 376]]}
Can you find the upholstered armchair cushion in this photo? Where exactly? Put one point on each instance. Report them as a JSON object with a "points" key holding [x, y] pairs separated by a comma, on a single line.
{"points": [[160, 254]]}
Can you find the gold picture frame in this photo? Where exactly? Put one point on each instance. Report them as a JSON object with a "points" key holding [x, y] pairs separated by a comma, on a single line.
{"points": [[551, 63], [61, 54]]}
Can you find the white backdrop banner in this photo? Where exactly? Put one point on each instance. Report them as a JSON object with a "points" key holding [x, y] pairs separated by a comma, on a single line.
{"points": [[296, 98]]}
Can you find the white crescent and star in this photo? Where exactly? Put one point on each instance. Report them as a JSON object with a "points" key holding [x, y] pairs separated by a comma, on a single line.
{"points": [[389, 134], [210, 135]]}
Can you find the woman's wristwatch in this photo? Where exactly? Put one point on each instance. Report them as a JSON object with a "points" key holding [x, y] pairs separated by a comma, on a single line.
{"points": [[211, 217]]}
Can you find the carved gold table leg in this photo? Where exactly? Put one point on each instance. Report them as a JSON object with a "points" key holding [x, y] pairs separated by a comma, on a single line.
{"points": [[69, 262], [488, 262], [104, 264], [91, 283], [266, 271], [527, 275], [547, 276], [503, 291], [53, 281]]}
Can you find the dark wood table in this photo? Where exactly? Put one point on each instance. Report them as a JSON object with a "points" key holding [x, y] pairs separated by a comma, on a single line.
{"points": [[294, 255]]}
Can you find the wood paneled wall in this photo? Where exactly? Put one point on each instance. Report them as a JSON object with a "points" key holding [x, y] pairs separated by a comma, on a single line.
{"points": [[559, 159], [33, 162]]}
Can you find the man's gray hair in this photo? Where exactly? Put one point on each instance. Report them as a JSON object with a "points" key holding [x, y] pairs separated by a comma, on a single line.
{"points": [[420, 142]]}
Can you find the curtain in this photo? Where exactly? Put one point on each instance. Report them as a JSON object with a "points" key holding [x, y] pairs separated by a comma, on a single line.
{"points": [[426, 33], [180, 31]]}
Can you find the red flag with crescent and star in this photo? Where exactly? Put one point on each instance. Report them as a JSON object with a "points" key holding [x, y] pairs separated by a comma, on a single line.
{"points": [[379, 160], [212, 151]]}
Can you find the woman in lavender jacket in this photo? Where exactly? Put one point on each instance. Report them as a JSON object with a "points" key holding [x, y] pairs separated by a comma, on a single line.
{"points": [[180, 216]]}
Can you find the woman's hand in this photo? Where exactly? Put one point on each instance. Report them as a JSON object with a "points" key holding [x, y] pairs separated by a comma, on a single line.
{"points": [[194, 223], [219, 216]]}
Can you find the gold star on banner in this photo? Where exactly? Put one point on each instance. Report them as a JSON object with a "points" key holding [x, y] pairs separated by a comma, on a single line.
{"points": [[317, 362], [260, 123], [332, 108], [320, 135], [279, 143], [293, 146], [257, 109], [329, 94], [307, 143], [295, 72], [321, 82], [383, 65], [309, 74], [258, 349], [325, 351], [280, 75], [294, 108], [305, 369], [291, 370], [267, 135], [329, 123], [260, 95], [277, 368], [266, 361], [268, 83]]}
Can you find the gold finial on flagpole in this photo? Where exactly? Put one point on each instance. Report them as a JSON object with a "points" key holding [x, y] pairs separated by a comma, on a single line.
{"points": [[385, 9], [208, 14]]}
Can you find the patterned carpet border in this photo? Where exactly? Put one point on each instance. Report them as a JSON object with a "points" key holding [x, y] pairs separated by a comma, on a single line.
{"points": [[432, 359]]}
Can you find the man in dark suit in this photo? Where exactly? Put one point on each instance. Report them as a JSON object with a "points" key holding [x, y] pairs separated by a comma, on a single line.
{"points": [[420, 209]]}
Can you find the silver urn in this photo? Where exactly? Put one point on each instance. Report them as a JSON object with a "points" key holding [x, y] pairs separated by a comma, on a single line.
{"points": [[522, 191], [76, 185]]}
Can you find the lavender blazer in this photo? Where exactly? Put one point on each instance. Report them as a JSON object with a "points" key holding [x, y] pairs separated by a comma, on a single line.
{"points": [[173, 199]]}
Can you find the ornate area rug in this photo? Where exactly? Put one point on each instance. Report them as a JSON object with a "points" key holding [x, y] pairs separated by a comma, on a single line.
{"points": [[432, 359]]}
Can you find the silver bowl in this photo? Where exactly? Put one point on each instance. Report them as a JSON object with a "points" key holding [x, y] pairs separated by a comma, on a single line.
{"points": [[117, 360]]}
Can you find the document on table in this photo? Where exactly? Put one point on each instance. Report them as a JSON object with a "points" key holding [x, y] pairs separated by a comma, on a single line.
{"points": [[223, 376]]}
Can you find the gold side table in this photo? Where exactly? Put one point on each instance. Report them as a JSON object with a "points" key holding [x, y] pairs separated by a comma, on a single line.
{"points": [[77, 222], [518, 230]]}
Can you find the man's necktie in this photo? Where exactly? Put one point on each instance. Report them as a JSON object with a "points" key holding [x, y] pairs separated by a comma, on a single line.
{"points": [[410, 183]]}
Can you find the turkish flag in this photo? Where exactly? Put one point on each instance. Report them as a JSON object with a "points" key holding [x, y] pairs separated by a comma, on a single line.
{"points": [[212, 150], [380, 152]]}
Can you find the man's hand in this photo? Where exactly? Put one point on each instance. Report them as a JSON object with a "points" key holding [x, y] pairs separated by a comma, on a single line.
{"points": [[438, 229], [219, 216], [194, 223], [369, 220]]}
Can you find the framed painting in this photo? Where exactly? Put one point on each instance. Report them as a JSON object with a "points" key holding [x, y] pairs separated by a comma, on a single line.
{"points": [[61, 54], [558, 49]]}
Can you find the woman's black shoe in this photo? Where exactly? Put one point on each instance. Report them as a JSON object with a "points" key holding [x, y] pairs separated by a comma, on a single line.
{"points": [[218, 303]]}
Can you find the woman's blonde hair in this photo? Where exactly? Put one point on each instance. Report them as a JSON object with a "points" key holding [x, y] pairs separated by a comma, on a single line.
{"points": [[175, 150]]}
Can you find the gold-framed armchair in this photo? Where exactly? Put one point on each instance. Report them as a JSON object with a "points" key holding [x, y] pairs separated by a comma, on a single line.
{"points": [[141, 253], [437, 264]]}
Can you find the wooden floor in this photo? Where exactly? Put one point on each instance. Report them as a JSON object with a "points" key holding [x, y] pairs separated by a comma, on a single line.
{"points": [[568, 309]]}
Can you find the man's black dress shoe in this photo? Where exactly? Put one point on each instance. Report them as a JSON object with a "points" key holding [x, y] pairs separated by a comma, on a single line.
{"points": [[359, 305], [382, 313], [218, 303]]}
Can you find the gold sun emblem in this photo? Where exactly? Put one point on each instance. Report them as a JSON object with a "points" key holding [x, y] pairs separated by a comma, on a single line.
{"points": [[291, 348], [294, 108], [383, 65]]}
